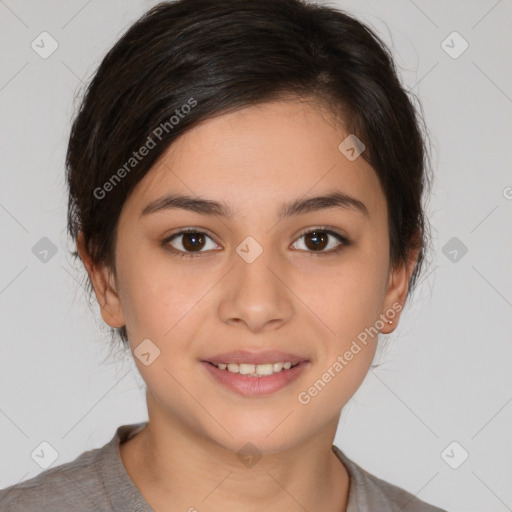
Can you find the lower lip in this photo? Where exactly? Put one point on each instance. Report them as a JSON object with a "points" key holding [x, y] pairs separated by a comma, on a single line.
{"points": [[255, 386]]}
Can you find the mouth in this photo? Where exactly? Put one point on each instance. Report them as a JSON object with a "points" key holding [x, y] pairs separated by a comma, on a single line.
{"points": [[255, 373]]}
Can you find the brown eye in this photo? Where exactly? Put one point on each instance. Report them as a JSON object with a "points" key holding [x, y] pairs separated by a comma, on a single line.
{"points": [[189, 243], [318, 239], [193, 241]]}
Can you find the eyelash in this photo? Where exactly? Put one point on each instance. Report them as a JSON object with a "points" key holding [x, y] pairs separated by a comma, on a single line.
{"points": [[329, 230]]}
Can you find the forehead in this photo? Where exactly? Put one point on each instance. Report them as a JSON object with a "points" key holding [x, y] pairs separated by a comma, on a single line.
{"points": [[261, 155]]}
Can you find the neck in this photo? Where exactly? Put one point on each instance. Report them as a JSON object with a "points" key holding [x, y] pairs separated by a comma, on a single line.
{"points": [[171, 464]]}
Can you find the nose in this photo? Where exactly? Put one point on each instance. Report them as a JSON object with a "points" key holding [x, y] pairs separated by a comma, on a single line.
{"points": [[255, 295]]}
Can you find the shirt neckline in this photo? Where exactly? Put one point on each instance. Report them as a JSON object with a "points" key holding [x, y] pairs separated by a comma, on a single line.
{"points": [[122, 491]]}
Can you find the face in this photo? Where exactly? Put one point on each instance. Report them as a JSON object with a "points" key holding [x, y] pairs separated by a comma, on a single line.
{"points": [[313, 282]]}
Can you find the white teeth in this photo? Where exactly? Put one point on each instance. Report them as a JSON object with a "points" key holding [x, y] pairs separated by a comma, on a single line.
{"points": [[245, 369], [254, 370], [278, 367], [264, 369]]}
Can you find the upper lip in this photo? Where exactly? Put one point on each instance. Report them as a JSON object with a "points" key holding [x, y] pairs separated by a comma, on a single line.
{"points": [[262, 357]]}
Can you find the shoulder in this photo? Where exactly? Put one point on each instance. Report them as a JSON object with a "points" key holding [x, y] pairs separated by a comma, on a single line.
{"points": [[368, 492], [73, 485]]}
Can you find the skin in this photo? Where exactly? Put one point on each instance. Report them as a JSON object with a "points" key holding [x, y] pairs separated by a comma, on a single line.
{"points": [[287, 299]]}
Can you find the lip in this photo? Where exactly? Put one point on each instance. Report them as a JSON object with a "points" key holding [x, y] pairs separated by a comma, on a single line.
{"points": [[255, 386], [262, 357]]}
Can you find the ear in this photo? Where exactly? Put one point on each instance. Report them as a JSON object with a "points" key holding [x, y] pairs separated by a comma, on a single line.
{"points": [[396, 292], [103, 282]]}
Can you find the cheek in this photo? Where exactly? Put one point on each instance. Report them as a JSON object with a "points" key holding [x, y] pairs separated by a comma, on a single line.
{"points": [[347, 302], [347, 297], [159, 298]]}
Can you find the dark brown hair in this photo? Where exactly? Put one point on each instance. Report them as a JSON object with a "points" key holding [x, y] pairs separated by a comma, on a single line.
{"points": [[187, 61]]}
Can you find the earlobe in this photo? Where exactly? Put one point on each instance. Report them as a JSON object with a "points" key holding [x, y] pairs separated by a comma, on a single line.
{"points": [[396, 293], [110, 304], [103, 283]]}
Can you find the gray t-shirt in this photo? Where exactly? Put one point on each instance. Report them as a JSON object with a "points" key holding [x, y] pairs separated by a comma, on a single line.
{"points": [[97, 481]]}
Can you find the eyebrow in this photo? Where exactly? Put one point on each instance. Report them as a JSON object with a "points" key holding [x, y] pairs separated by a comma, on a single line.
{"points": [[299, 206]]}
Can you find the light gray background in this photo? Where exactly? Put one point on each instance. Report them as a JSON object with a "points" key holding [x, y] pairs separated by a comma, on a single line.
{"points": [[446, 375]]}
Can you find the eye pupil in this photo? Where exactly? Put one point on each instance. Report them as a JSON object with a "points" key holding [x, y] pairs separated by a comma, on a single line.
{"points": [[318, 239], [192, 241]]}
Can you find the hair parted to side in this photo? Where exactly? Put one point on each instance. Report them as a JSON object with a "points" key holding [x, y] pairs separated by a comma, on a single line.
{"points": [[218, 56]]}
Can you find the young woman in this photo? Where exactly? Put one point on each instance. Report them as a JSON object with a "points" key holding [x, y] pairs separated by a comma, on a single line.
{"points": [[245, 191]]}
